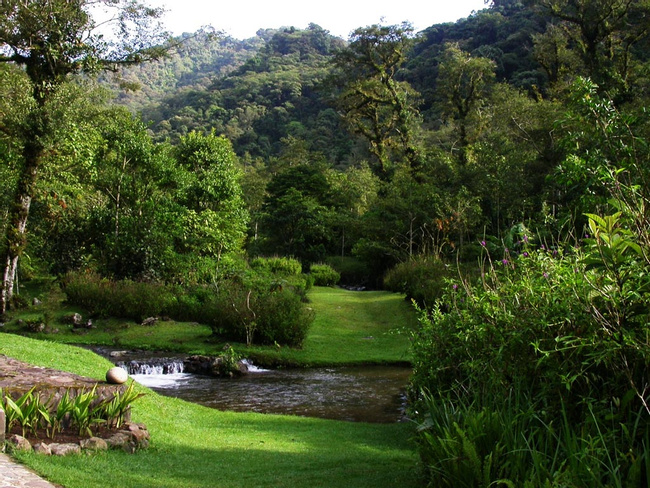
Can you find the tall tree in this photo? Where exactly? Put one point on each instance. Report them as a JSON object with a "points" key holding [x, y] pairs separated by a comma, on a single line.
{"points": [[53, 39], [463, 83], [376, 104]]}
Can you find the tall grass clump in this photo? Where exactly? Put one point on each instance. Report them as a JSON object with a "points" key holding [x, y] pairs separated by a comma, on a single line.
{"points": [[538, 372]]}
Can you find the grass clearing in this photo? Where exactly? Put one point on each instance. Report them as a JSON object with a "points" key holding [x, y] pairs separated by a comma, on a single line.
{"points": [[194, 446]]}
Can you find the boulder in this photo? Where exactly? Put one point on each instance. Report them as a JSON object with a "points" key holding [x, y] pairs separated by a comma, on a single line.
{"points": [[19, 443], [213, 366], [118, 440], [42, 448], [149, 321], [64, 449], [76, 320], [117, 375], [93, 444]]}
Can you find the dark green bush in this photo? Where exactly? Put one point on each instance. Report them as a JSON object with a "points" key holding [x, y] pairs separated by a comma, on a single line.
{"points": [[261, 311], [422, 279], [324, 275]]}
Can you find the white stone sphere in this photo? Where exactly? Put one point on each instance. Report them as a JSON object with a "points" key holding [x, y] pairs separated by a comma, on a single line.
{"points": [[117, 375]]}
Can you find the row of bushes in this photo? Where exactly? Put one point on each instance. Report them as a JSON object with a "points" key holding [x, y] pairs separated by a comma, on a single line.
{"points": [[536, 373], [264, 304]]}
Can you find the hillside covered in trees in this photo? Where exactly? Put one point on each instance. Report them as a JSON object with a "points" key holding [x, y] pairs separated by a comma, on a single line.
{"points": [[494, 170]]}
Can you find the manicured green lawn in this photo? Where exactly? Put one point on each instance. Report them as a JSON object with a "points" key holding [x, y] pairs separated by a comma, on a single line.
{"points": [[195, 446]]}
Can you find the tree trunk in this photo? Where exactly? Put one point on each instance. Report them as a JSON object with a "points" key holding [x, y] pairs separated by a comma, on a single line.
{"points": [[15, 237]]}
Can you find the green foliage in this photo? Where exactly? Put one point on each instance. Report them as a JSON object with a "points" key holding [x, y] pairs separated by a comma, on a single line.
{"points": [[26, 411], [259, 310], [250, 307], [423, 279], [81, 411], [277, 265], [103, 297], [115, 410], [559, 337], [324, 275]]}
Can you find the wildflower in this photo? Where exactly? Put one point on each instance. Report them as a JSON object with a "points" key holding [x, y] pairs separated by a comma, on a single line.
{"points": [[526, 239], [504, 261], [545, 274], [483, 243], [525, 254], [543, 247], [455, 286]]}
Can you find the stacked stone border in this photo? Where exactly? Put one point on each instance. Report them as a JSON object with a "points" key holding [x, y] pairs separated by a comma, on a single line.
{"points": [[18, 377]]}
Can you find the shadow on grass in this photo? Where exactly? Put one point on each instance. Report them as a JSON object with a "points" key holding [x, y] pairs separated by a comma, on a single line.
{"points": [[230, 450]]}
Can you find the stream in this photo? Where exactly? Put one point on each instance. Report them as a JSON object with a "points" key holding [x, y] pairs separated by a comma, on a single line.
{"points": [[359, 394]]}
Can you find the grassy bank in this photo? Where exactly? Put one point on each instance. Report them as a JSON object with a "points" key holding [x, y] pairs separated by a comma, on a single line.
{"points": [[349, 328], [195, 446]]}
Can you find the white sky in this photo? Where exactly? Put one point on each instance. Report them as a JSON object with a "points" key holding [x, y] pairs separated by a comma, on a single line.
{"points": [[243, 18]]}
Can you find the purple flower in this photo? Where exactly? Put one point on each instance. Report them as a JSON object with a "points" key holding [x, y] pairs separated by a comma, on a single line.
{"points": [[483, 243], [504, 261], [526, 239], [542, 247], [455, 286], [545, 274], [525, 254]]}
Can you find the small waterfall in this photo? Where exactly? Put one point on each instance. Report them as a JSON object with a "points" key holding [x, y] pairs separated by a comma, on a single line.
{"points": [[153, 366], [252, 368]]}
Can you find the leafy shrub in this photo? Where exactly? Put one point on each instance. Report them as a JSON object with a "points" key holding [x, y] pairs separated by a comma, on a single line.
{"points": [[246, 307], [260, 311], [281, 266], [126, 298], [561, 334], [422, 279], [324, 275]]}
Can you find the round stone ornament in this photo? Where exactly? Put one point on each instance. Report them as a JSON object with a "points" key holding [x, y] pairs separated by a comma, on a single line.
{"points": [[117, 375]]}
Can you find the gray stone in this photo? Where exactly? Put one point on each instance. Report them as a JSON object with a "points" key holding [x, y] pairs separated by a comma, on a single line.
{"points": [[42, 448], [94, 444], [65, 449], [36, 301], [150, 321], [76, 319], [19, 443], [117, 375], [118, 441]]}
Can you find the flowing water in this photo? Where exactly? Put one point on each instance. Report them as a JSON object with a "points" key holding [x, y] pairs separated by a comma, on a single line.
{"points": [[360, 394]]}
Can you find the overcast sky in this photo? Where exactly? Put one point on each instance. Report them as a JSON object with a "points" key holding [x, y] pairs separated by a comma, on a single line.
{"points": [[243, 18]]}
